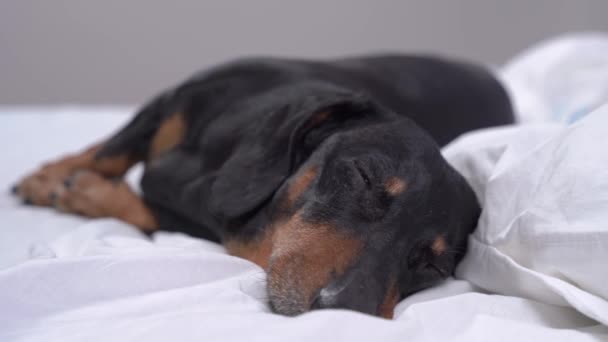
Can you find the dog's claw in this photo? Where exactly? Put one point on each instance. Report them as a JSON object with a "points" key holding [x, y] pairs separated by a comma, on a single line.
{"points": [[67, 182], [28, 201], [15, 189]]}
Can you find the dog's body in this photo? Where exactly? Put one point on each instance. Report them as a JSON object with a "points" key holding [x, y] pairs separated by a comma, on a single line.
{"points": [[306, 168]]}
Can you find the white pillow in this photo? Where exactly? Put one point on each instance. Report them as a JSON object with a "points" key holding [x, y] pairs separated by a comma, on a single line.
{"points": [[543, 232], [559, 80]]}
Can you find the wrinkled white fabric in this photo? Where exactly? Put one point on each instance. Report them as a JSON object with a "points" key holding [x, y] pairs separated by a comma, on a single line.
{"points": [[543, 233], [561, 80]]}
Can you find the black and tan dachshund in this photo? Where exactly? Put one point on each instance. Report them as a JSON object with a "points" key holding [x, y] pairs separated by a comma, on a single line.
{"points": [[326, 174]]}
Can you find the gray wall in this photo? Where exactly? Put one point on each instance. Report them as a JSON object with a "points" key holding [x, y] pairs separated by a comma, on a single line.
{"points": [[123, 51]]}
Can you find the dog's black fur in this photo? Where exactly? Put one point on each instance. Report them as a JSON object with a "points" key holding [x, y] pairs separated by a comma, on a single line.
{"points": [[255, 125]]}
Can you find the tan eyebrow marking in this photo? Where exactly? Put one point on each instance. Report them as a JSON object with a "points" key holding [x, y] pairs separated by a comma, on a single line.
{"points": [[395, 186], [439, 246]]}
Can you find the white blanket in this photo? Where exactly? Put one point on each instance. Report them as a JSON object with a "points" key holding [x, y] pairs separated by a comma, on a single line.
{"points": [[536, 269]]}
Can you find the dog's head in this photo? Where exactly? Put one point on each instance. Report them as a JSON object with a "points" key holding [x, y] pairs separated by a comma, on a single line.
{"points": [[359, 207]]}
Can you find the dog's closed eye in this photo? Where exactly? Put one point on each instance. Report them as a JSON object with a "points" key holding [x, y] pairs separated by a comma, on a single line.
{"points": [[362, 173]]}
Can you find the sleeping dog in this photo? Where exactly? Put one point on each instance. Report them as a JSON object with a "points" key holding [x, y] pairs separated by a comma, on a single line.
{"points": [[328, 174]]}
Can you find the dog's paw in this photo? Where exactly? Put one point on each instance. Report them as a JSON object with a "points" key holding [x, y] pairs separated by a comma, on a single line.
{"points": [[74, 190], [90, 194], [38, 187]]}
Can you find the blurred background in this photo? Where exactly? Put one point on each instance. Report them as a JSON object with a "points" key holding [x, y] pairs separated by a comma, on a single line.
{"points": [[124, 51]]}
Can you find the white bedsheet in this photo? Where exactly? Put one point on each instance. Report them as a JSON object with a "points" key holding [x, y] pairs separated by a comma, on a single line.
{"points": [[536, 269]]}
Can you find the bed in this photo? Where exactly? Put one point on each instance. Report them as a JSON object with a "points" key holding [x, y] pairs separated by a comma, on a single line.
{"points": [[536, 269]]}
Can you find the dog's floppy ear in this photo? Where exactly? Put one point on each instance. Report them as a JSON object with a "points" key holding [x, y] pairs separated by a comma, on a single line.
{"points": [[293, 122]]}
